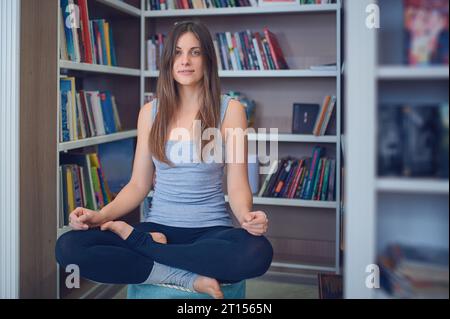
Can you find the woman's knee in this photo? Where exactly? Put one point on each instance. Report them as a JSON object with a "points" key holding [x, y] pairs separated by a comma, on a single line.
{"points": [[258, 253], [67, 247]]}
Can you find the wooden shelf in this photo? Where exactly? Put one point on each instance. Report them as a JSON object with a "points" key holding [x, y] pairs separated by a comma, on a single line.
{"points": [[413, 185], [66, 146], [122, 6], [291, 202], [311, 8], [97, 68], [265, 74], [296, 138], [413, 73]]}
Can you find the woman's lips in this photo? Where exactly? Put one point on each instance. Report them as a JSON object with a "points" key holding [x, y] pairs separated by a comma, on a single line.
{"points": [[186, 72]]}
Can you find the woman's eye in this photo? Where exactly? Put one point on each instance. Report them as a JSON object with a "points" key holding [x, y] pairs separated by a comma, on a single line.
{"points": [[196, 53]]}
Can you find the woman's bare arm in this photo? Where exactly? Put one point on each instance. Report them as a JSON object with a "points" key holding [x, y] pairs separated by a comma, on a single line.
{"points": [[239, 193], [140, 183]]}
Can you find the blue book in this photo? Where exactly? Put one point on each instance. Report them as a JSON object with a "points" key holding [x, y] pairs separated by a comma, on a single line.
{"points": [[116, 159], [68, 31], [108, 112]]}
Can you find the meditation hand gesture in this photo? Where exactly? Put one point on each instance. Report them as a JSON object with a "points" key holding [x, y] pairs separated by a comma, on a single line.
{"points": [[256, 223]]}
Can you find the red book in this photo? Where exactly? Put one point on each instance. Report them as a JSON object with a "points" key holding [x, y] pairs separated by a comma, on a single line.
{"points": [[85, 34], [275, 50], [261, 50]]}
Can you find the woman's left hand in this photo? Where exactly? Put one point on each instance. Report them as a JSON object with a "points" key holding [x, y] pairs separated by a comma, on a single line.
{"points": [[256, 223]]}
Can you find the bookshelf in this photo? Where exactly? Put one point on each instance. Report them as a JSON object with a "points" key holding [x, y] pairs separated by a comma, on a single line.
{"points": [[383, 210], [316, 222], [305, 233], [40, 142]]}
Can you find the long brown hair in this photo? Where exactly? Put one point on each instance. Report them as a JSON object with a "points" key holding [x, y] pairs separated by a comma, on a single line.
{"points": [[167, 92]]}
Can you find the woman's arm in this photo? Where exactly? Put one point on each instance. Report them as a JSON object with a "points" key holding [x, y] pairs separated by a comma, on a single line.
{"points": [[239, 194], [140, 183]]}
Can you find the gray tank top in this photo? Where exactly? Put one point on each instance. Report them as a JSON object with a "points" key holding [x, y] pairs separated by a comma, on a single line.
{"points": [[189, 194]]}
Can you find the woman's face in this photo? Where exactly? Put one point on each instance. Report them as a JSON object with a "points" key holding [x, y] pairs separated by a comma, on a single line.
{"points": [[188, 62]]}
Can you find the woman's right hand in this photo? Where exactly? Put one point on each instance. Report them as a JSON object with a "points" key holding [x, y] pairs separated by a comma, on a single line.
{"points": [[82, 218]]}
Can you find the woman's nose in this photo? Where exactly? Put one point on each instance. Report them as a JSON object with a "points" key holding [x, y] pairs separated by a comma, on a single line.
{"points": [[185, 59]]}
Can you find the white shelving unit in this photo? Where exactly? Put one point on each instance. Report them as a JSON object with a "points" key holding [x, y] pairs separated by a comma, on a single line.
{"points": [[95, 70], [385, 210], [333, 77], [332, 11]]}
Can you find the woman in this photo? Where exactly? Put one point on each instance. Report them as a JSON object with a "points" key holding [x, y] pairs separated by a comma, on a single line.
{"points": [[188, 238]]}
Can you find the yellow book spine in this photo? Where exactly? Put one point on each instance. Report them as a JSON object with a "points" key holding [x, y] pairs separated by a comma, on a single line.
{"points": [[70, 196], [108, 44]]}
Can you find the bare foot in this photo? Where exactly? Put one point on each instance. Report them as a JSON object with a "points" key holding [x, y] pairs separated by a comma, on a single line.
{"points": [[208, 286], [124, 230], [159, 238], [120, 228]]}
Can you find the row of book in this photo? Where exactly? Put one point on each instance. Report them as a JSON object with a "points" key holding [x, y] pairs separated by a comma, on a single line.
{"points": [[198, 4], [249, 51], [311, 118], [83, 183], [413, 140], [84, 40], [86, 114], [206, 4], [234, 51], [309, 178], [408, 271]]}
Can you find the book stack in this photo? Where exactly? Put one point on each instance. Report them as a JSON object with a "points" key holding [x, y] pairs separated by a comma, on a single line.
{"points": [[84, 40], [408, 271], [309, 178], [86, 114]]}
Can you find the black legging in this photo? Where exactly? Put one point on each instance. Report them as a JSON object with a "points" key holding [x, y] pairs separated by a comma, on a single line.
{"points": [[225, 253]]}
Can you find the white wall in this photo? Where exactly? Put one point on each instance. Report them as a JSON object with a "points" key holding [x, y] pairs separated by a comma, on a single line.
{"points": [[9, 147]]}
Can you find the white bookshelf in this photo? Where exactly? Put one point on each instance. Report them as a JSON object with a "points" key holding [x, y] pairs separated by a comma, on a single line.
{"points": [[412, 185], [302, 74], [412, 73], [97, 68], [291, 202], [291, 138], [280, 19], [66, 146], [384, 210]]}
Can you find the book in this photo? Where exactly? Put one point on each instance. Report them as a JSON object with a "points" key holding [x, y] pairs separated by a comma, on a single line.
{"points": [[426, 36], [389, 157], [304, 116], [420, 140]]}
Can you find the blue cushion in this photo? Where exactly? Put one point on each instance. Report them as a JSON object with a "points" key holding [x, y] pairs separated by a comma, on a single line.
{"points": [[233, 291]]}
